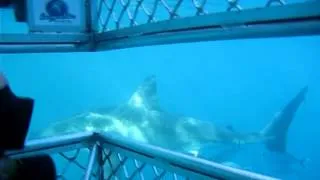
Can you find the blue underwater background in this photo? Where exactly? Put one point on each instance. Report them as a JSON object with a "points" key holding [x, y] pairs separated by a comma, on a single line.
{"points": [[242, 83]]}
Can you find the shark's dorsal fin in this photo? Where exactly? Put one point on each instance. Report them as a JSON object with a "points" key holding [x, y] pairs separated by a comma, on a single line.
{"points": [[146, 95]]}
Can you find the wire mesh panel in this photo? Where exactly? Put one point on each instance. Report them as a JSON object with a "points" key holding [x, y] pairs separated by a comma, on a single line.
{"points": [[116, 14], [101, 156], [72, 163], [129, 23]]}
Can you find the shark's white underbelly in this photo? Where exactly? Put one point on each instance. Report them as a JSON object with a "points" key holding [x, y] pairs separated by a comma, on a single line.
{"points": [[116, 125]]}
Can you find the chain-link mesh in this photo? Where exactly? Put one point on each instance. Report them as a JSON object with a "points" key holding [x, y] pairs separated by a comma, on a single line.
{"points": [[116, 166], [71, 164], [116, 14], [119, 166]]}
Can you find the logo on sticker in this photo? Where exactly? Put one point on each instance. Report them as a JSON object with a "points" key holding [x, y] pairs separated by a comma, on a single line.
{"points": [[57, 11]]}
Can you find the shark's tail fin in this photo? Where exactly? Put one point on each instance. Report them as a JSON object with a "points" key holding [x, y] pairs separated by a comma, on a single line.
{"points": [[277, 129]]}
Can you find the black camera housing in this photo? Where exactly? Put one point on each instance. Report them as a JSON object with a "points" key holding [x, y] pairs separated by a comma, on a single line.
{"points": [[15, 117]]}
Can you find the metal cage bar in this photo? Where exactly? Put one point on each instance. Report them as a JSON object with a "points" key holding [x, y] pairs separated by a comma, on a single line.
{"points": [[158, 157], [92, 161], [54, 145], [29, 43], [277, 19]]}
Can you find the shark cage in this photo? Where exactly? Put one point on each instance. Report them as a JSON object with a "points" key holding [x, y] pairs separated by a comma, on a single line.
{"points": [[100, 25]]}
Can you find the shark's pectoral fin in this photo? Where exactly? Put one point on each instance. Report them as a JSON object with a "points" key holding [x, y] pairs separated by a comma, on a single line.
{"points": [[278, 127]]}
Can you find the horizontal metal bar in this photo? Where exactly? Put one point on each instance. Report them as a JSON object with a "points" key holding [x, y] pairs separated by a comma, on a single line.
{"points": [[44, 43], [258, 31], [289, 20], [177, 161], [54, 144], [42, 38], [44, 48]]}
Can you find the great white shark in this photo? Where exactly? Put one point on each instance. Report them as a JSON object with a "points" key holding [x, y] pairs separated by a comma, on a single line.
{"points": [[142, 119]]}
